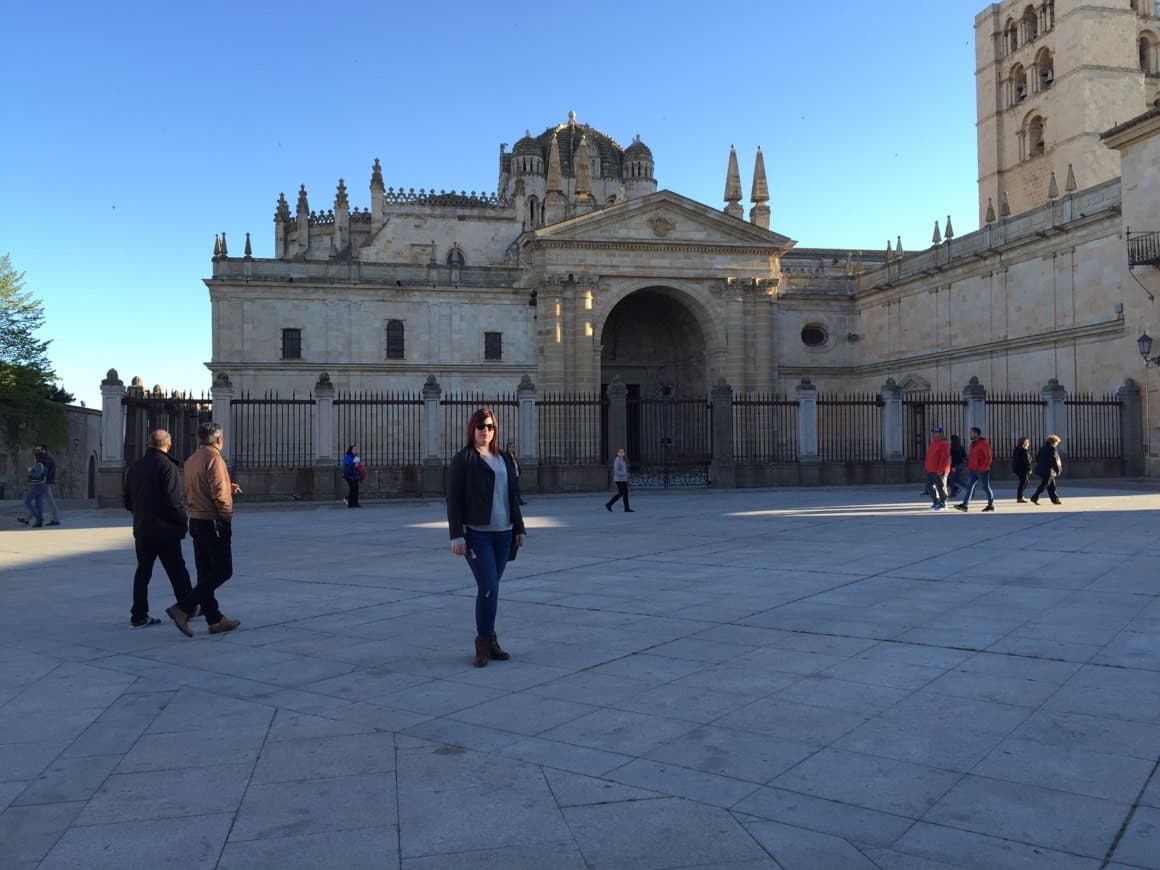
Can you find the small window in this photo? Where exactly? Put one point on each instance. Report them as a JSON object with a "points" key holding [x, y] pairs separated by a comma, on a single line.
{"points": [[814, 336], [291, 344], [493, 345], [395, 335]]}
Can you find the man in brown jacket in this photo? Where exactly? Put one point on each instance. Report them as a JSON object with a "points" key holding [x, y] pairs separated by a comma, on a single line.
{"points": [[210, 497]]}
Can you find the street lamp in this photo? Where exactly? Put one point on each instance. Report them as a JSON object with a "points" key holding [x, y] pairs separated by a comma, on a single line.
{"points": [[1144, 342]]}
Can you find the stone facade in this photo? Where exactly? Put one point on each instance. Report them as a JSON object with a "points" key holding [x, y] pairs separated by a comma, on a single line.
{"points": [[76, 459]]}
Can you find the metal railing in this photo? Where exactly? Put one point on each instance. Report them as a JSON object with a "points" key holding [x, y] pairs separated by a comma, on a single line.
{"points": [[850, 428], [1012, 416], [572, 429], [1093, 427], [1143, 249], [921, 411], [271, 432], [764, 428], [386, 427]]}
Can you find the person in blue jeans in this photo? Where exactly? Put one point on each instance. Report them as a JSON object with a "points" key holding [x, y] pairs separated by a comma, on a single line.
{"points": [[485, 523], [979, 470], [34, 498]]}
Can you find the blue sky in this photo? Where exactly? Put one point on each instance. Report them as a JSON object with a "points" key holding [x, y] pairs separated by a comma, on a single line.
{"points": [[139, 130]]}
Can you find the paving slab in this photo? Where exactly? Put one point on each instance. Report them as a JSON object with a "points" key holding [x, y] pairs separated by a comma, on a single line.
{"points": [[715, 686]]}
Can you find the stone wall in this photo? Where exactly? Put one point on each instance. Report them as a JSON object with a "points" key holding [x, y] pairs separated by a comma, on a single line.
{"points": [[76, 460]]}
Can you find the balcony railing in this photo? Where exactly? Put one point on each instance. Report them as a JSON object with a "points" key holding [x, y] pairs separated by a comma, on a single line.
{"points": [[1144, 249]]}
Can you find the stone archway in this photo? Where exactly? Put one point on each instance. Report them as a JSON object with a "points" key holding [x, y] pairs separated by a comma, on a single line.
{"points": [[652, 340]]}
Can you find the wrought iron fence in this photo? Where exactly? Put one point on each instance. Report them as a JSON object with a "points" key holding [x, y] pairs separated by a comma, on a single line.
{"points": [[670, 441], [1093, 427], [764, 428], [177, 415], [921, 411], [1012, 416], [572, 429], [387, 427], [850, 428], [271, 432], [456, 409]]}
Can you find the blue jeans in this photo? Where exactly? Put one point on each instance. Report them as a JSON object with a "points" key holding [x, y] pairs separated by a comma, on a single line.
{"points": [[487, 555], [983, 477], [34, 501]]}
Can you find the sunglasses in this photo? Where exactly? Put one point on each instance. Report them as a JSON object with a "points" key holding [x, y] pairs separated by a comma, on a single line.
{"points": [[490, 427]]}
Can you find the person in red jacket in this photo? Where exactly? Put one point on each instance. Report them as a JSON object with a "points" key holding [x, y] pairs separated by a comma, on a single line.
{"points": [[938, 465], [979, 470]]}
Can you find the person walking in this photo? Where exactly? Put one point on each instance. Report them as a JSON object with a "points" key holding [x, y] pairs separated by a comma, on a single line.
{"points": [[620, 478], [958, 460], [938, 464], [1021, 466], [49, 482], [352, 473], [485, 523], [1048, 466], [34, 497], [153, 493], [978, 470], [510, 450], [210, 497]]}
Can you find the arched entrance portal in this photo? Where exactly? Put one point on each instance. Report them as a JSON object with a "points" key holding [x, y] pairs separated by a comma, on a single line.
{"points": [[655, 345]]}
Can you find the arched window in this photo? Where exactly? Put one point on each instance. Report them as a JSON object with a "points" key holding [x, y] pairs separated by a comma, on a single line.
{"points": [[1030, 24], [1018, 84], [535, 216], [1045, 66], [1036, 140], [1011, 36], [1148, 53], [455, 256], [395, 337]]}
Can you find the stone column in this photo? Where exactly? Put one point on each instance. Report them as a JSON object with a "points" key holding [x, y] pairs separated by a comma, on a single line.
{"points": [[221, 395], [617, 419], [528, 441], [432, 471], [1132, 429], [325, 487], [807, 433], [975, 410], [110, 471], [1054, 411], [893, 450], [722, 470]]}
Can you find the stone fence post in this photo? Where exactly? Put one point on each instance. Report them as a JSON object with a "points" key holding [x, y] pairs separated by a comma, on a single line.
{"points": [[528, 440], [110, 472], [1131, 428], [975, 408], [893, 450], [221, 395], [324, 460], [1054, 411], [807, 432], [722, 470], [432, 471]]}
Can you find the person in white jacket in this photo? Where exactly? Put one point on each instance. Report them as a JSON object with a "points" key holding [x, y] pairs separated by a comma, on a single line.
{"points": [[620, 478]]}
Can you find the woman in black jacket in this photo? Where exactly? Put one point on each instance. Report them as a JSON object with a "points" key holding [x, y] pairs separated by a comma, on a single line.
{"points": [[485, 523], [1021, 466], [1048, 465]]}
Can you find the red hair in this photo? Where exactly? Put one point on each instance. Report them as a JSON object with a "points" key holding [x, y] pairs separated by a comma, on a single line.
{"points": [[478, 419]]}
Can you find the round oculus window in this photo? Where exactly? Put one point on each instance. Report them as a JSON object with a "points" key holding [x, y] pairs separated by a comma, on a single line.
{"points": [[813, 336]]}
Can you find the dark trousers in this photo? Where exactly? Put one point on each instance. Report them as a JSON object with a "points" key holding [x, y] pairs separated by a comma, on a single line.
{"points": [[352, 493], [168, 550], [1046, 481], [1024, 479], [621, 493], [213, 556], [487, 556]]}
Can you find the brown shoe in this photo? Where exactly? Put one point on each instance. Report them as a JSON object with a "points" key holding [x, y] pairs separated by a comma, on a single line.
{"points": [[224, 626], [180, 619], [495, 652], [482, 651]]}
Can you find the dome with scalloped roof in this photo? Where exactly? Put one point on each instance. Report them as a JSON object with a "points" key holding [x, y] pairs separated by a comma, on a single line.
{"points": [[637, 150], [568, 135]]}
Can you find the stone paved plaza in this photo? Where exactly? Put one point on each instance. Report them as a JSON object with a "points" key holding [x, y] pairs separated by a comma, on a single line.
{"points": [[823, 678]]}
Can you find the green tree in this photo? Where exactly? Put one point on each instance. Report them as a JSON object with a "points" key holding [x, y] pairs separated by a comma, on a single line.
{"points": [[26, 375]]}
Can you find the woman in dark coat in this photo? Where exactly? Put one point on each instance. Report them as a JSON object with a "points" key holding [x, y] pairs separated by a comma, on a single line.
{"points": [[958, 460], [1048, 466], [1021, 466]]}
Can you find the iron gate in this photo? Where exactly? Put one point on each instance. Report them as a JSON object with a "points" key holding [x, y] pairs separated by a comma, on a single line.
{"points": [[177, 415], [670, 440]]}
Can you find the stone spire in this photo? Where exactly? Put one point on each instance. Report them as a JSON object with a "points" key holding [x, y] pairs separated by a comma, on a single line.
{"points": [[1004, 207], [898, 248], [759, 194], [733, 187], [990, 218], [281, 226], [302, 235], [1052, 187], [377, 197], [341, 237], [936, 239], [303, 205], [555, 202], [949, 232], [585, 202], [340, 198], [217, 246], [1070, 186], [249, 252], [282, 210], [889, 252]]}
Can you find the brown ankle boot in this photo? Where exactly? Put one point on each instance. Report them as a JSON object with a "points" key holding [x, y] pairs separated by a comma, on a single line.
{"points": [[495, 652], [482, 651]]}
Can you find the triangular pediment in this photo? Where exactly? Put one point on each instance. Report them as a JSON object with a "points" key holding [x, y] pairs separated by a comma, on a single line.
{"points": [[663, 217]]}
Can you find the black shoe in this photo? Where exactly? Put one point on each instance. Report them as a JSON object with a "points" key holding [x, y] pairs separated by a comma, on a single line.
{"points": [[24, 520], [961, 507], [1035, 501], [54, 523], [1056, 501], [989, 507], [38, 524], [141, 622], [607, 507]]}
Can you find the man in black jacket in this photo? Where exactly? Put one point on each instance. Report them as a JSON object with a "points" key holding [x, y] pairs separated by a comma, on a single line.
{"points": [[154, 493]]}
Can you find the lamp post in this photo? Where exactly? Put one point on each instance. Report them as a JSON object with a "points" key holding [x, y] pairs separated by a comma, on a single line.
{"points": [[1144, 342]]}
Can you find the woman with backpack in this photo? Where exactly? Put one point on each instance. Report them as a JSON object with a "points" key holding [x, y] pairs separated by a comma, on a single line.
{"points": [[352, 473]]}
